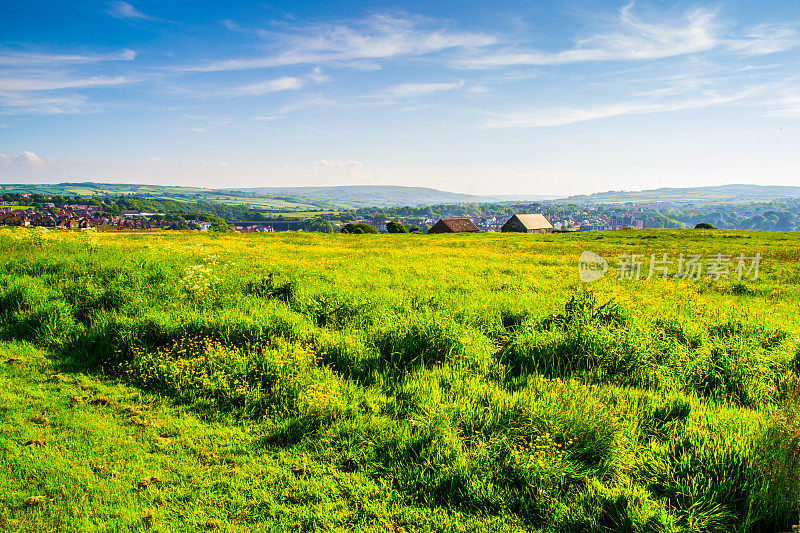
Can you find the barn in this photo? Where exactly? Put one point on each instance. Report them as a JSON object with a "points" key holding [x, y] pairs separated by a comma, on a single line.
{"points": [[454, 225], [528, 223]]}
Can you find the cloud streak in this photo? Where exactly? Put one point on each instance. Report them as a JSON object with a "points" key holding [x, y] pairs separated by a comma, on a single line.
{"points": [[562, 116], [124, 10], [378, 37], [14, 58], [636, 39], [39, 82], [15, 103], [412, 90]]}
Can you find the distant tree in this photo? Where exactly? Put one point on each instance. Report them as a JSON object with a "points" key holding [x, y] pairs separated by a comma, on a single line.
{"points": [[705, 225], [785, 221], [395, 227], [362, 227], [322, 226]]}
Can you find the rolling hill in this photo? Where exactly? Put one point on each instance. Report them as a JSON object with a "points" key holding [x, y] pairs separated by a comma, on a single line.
{"points": [[277, 198], [737, 193]]}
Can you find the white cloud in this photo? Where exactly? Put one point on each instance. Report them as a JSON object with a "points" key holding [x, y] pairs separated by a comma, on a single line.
{"points": [[124, 10], [44, 105], [27, 77], [24, 159], [155, 159], [410, 90], [14, 58], [285, 83], [542, 118], [637, 39], [786, 106], [634, 39], [766, 39], [44, 82], [309, 101], [378, 37]]}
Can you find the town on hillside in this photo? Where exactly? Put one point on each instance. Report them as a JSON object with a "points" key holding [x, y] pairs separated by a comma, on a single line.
{"points": [[135, 213], [81, 216]]}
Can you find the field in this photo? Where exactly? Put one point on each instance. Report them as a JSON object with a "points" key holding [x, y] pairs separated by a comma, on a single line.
{"points": [[403, 383]]}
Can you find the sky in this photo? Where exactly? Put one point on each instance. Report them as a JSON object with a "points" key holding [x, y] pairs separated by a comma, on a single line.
{"points": [[511, 97]]}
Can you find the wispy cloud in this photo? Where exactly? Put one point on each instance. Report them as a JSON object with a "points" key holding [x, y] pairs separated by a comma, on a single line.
{"points": [[411, 90], [307, 102], [285, 83], [37, 104], [785, 106], [378, 37], [634, 38], [15, 58], [259, 88], [124, 10], [31, 80], [42, 82], [561, 116], [766, 39]]}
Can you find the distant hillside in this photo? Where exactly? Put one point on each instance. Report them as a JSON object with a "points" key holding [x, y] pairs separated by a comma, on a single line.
{"points": [[371, 195], [714, 194], [159, 192], [277, 198]]}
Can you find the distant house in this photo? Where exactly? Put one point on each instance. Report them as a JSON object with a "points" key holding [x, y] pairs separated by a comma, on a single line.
{"points": [[454, 225], [528, 223]]}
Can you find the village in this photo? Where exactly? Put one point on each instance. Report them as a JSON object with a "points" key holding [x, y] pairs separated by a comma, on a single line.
{"points": [[83, 217], [90, 215]]}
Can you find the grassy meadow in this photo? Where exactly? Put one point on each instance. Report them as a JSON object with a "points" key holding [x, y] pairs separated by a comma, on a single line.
{"points": [[181, 381]]}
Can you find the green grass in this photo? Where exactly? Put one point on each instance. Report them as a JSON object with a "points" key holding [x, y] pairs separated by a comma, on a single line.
{"points": [[429, 383], [16, 207]]}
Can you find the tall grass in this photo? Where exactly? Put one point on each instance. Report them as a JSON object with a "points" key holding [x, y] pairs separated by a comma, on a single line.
{"points": [[470, 373]]}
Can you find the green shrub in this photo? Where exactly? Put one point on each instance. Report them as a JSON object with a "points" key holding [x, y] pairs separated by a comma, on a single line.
{"points": [[361, 227], [395, 227]]}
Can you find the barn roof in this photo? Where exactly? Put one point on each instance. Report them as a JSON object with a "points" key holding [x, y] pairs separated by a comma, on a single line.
{"points": [[456, 225], [535, 221]]}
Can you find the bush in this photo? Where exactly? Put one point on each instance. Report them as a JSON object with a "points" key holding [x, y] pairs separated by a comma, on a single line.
{"points": [[705, 225], [361, 227], [395, 227]]}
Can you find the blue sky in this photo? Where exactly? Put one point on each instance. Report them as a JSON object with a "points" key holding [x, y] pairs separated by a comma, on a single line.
{"points": [[513, 98]]}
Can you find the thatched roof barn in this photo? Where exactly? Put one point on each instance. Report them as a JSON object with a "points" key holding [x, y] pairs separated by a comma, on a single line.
{"points": [[454, 225], [528, 223]]}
